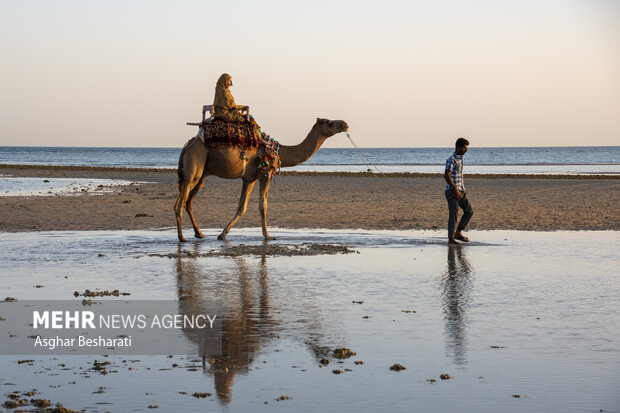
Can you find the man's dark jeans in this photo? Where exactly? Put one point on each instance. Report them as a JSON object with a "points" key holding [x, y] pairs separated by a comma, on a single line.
{"points": [[453, 206]]}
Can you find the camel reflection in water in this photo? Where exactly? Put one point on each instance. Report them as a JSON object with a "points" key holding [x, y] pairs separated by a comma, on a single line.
{"points": [[247, 317], [456, 284]]}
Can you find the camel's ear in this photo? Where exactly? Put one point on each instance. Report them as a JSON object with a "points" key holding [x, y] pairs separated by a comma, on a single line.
{"points": [[320, 120]]}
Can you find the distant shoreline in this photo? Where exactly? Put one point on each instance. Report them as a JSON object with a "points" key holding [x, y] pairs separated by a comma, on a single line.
{"points": [[311, 173], [492, 162]]}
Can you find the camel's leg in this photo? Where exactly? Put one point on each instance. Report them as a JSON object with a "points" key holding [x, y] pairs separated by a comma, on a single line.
{"points": [[243, 204], [190, 170], [178, 206], [188, 207], [264, 190]]}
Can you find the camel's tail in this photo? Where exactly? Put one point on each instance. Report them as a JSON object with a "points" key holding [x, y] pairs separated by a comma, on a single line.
{"points": [[180, 165]]}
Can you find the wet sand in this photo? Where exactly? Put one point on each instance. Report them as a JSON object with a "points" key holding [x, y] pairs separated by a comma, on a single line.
{"points": [[318, 200]]}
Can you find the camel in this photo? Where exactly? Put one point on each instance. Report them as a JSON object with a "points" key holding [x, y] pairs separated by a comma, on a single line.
{"points": [[197, 161]]}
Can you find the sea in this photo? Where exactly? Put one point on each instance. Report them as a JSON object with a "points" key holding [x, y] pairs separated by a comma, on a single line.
{"points": [[579, 160]]}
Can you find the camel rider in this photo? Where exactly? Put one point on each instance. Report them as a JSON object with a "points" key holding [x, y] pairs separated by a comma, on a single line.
{"points": [[224, 104]]}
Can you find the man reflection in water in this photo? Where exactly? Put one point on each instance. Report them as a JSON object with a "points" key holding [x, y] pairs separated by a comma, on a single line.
{"points": [[456, 284]]}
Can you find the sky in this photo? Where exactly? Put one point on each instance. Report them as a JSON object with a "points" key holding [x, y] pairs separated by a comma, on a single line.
{"points": [[401, 73]]}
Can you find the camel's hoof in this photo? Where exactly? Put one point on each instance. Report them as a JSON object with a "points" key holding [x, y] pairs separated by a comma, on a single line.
{"points": [[181, 239], [221, 237], [199, 235], [270, 238]]}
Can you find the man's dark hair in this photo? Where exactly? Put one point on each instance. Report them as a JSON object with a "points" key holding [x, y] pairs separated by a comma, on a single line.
{"points": [[460, 142]]}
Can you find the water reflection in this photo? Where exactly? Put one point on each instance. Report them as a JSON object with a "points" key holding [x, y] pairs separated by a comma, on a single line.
{"points": [[249, 319], [457, 284], [246, 325]]}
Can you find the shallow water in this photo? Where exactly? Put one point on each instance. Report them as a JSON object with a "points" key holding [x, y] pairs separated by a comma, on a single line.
{"points": [[547, 301], [11, 186]]}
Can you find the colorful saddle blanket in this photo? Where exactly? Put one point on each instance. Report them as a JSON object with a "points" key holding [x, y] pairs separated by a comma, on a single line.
{"points": [[222, 133]]}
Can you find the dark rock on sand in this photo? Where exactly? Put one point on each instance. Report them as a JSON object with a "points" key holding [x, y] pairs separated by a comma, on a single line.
{"points": [[101, 366], [62, 409], [343, 353], [40, 403], [397, 367], [305, 249], [106, 293], [11, 404]]}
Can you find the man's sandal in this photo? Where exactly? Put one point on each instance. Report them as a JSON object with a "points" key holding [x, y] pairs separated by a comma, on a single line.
{"points": [[462, 238]]}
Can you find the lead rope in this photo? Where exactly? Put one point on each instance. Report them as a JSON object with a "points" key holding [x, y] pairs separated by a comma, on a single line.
{"points": [[361, 154]]}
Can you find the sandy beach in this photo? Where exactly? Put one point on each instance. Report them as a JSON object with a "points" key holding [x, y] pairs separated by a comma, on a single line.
{"points": [[318, 200]]}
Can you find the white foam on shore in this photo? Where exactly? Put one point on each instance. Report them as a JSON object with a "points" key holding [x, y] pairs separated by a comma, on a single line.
{"points": [[18, 186]]}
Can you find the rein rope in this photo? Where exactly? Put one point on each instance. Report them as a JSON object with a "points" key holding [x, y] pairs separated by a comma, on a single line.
{"points": [[362, 156]]}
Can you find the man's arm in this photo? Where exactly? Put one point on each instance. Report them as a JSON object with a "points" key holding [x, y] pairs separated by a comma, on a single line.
{"points": [[448, 178]]}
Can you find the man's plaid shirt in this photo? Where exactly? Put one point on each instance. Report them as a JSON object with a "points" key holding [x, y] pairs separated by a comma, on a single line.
{"points": [[454, 164]]}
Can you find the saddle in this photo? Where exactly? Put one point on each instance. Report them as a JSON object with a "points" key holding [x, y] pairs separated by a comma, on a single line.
{"points": [[222, 133], [214, 132]]}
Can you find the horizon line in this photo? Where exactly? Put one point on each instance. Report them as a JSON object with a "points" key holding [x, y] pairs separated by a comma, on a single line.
{"points": [[344, 147]]}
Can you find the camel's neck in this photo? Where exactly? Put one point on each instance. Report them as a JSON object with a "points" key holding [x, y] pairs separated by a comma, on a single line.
{"points": [[296, 154]]}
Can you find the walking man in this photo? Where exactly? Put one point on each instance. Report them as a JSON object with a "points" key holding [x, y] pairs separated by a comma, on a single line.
{"points": [[456, 194]]}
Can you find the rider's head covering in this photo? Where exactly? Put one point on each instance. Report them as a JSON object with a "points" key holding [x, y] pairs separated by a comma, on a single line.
{"points": [[224, 81]]}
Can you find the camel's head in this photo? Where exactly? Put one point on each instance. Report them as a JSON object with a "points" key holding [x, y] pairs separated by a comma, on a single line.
{"points": [[330, 127]]}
